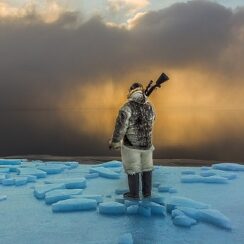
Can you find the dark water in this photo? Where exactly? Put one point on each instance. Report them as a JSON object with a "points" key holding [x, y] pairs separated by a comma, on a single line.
{"points": [[178, 133]]}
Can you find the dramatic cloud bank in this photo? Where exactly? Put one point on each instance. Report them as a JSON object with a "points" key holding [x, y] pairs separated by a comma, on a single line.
{"points": [[40, 61]]}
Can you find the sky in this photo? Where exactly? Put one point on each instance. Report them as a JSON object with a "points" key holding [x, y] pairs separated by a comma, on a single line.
{"points": [[66, 66], [118, 11], [101, 6]]}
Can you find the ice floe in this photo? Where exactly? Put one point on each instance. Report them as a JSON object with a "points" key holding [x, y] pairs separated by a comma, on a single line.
{"points": [[79, 204]]}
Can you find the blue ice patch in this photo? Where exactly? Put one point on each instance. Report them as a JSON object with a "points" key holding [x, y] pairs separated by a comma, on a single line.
{"points": [[4, 170], [212, 216], [120, 191], [144, 210], [133, 209], [112, 208], [157, 209], [188, 172], [201, 179], [207, 173], [215, 217], [19, 181], [120, 199], [173, 190], [156, 184], [91, 176], [105, 172], [78, 204], [187, 202], [70, 183], [184, 221], [229, 176], [205, 168], [52, 169], [163, 188], [71, 165], [229, 166], [126, 239], [3, 197], [2, 177], [41, 190], [75, 183], [110, 164], [158, 199], [169, 189], [131, 202], [60, 194], [117, 170], [32, 171], [176, 212], [190, 212], [11, 161], [98, 198], [8, 182], [31, 178], [13, 168]]}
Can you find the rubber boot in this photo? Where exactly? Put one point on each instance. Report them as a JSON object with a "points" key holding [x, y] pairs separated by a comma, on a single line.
{"points": [[146, 183], [133, 182]]}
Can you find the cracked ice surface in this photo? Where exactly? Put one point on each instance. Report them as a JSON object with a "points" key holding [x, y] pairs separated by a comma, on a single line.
{"points": [[85, 204]]}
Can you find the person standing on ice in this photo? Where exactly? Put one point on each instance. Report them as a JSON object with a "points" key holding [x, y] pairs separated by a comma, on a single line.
{"points": [[133, 134]]}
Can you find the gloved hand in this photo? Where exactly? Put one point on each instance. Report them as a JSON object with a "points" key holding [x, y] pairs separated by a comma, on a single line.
{"points": [[114, 145]]}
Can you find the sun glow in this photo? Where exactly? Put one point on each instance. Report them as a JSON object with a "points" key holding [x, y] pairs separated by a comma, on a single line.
{"points": [[186, 113]]}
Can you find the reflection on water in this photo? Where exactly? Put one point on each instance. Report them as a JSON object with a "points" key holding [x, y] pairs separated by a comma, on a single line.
{"points": [[178, 132]]}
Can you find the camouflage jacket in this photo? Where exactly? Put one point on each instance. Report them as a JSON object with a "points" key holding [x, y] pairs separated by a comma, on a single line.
{"points": [[134, 122]]}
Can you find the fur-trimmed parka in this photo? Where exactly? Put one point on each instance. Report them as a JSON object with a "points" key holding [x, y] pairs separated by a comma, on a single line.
{"points": [[134, 122]]}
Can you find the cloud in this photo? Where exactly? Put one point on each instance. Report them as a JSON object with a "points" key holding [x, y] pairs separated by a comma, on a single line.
{"points": [[50, 58], [130, 6], [48, 10], [66, 62]]}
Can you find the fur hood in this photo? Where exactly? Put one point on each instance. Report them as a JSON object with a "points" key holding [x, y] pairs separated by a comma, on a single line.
{"points": [[138, 96]]}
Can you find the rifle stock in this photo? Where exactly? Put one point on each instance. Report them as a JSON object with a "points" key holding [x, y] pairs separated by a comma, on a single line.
{"points": [[150, 88]]}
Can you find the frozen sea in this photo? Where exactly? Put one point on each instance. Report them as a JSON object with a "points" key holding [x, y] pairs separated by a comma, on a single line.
{"points": [[26, 218]]}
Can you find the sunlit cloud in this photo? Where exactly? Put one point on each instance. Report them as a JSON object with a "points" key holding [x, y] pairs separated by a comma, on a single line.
{"points": [[132, 22], [129, 6], [48, 11]]}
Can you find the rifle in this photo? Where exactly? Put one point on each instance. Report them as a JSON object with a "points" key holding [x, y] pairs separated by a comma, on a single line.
{"points": [[150, 88]]}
